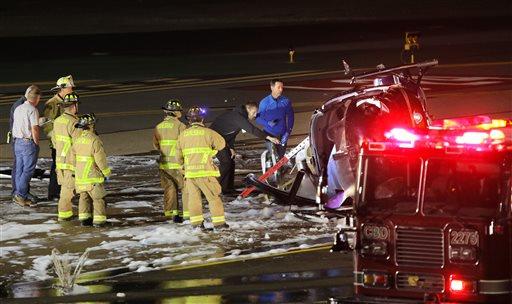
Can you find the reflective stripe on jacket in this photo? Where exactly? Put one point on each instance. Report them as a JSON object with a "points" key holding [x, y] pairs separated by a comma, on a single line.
{"points": [[52, 110], [165, 140], [90, 161], [196, 147], [63, 132]]}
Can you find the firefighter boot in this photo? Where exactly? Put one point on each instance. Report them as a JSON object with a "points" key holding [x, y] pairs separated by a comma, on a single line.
{"points": [[222, 227], [86, 222]]}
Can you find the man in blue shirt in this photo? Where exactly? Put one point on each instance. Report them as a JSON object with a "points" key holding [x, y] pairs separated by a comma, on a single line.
{"points": [[275, 114]]}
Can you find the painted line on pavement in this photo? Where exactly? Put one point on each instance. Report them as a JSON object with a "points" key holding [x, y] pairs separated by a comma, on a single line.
{"points": [[175, 84], [245, 79], [108, 273], [245, 258]]}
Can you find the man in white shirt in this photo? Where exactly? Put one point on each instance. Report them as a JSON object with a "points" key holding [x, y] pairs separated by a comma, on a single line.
{"points": [[25, 133]]}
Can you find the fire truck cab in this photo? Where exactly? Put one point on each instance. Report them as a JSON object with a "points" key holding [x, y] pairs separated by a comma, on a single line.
{"points": [[433, 215]]}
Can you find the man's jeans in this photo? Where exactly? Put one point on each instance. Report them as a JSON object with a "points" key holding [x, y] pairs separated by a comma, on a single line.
{"points": [[25, 152], [13, 171]]}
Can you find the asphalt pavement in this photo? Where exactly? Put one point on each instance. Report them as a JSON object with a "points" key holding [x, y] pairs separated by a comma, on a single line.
{"points": [[298, 276], [127, 91]]}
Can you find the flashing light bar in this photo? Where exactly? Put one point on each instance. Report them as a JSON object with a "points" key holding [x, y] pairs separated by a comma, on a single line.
{"points": [[479, 137], [494, 124], [454, 141], [472, 138], [477, 122], [405, 138]]}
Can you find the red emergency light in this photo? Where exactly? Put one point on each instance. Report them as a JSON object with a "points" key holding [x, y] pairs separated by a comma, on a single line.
{"points": [[480, 122], [461, 285], [480, 137], [455, 136], [472, 138], [405, 138]]}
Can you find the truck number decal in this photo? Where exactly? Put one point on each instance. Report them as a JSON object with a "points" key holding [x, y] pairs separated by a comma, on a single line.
{"points": [[376, 232], [464, 237]]}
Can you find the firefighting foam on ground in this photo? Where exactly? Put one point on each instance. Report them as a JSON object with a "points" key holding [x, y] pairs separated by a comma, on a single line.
{"points": [[355, 153], [306, 209]]}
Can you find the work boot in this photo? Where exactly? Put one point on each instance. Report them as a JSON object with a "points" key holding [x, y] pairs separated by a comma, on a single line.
{"points": [[64, 219], [33, 198], [99, 225], [221, 227], [177, 219], [204, 229], [21, 201], [87, 222], [53, 198]]}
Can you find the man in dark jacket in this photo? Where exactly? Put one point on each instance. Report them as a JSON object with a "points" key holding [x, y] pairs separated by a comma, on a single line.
{"points": [[228, 125]]}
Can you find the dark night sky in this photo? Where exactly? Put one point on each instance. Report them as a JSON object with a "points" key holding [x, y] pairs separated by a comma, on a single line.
{"points": [[55, 18]]}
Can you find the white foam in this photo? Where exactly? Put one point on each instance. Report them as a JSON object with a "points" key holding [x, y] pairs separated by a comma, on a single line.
{"points": [[39, 271], [13, 230], [133, 204]]}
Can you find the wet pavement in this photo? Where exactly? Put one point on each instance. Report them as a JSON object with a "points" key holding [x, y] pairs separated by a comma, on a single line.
{"points": [[317, 276], [138, 238]]}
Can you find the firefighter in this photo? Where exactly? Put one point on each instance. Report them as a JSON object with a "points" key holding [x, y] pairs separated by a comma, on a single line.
{"points": [[62, 134], [196, 147], [91, 169], [52, 110], [165, 138]]}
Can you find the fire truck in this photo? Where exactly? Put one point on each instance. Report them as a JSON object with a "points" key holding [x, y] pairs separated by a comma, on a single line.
{"points": [[433, 215]]}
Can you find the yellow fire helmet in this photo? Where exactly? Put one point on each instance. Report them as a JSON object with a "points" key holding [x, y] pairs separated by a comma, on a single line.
{"points": [[173, 105], [64, 82], [85, 120], [70, 99]]}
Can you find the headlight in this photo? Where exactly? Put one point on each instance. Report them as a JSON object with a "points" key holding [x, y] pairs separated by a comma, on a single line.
{"points": [[375, 248], [375, 279], [463, 254]]}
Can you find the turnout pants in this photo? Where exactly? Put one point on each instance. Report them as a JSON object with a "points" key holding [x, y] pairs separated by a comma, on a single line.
{"points": [[227, 170], [172, 181], [210, 187], [92, 204], [67, 191]]}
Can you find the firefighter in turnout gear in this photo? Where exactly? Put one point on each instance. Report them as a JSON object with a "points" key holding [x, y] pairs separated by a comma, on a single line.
{"points": [[196, 147], [62, 134], [91, 169], [165, 139], [53, 109]]}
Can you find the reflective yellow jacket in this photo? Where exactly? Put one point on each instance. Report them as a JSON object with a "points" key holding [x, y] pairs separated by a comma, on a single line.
{"points": [[63, 132], [52, 110], [196, 147], [90, 161], [165, 139]]}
